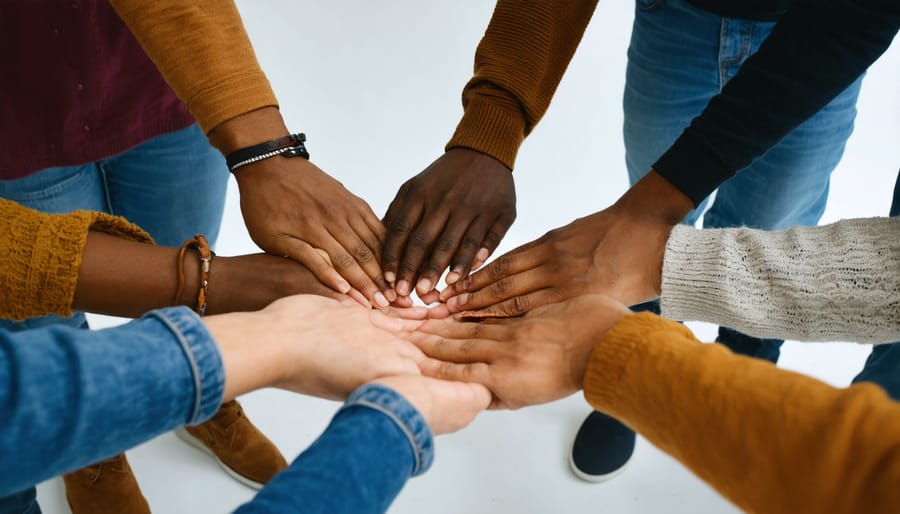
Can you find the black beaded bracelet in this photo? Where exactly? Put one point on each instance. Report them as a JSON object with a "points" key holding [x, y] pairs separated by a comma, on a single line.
{"points": [[288, 146]]}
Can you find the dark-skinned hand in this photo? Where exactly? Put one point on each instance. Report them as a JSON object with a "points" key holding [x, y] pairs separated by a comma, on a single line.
{"points": [[454, 213], [617, 252]]}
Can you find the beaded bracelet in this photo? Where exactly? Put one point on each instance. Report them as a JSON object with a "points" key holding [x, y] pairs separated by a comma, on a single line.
{"points": [[200, 244]]}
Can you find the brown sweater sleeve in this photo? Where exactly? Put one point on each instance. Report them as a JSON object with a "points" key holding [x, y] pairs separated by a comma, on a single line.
{"points": [[518, 65], [203, 52], [41, 253], [767, 439]]}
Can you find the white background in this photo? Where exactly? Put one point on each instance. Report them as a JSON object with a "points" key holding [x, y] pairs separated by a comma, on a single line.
{"points": [[376, 85]]}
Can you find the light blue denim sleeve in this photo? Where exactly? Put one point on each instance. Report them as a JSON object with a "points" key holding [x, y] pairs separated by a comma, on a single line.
{"points": [[374, 444], [70, 397]]}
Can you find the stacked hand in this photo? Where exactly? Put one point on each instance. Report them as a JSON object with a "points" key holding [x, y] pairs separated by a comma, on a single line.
{"points": [[454, 214], [616, 252], [533, 359]]}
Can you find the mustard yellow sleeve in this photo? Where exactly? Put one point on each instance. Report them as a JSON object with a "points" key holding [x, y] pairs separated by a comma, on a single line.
{"points": [[40, 255], [767, 439], [203, 52], [518, 65]]}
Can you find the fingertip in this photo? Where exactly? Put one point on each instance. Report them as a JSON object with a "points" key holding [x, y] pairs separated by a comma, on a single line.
{"points": [[453, 277], [424, 286], [403, 288], [430, 297], [390, 277]]}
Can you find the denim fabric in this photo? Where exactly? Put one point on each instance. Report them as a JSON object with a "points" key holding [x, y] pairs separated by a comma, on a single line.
{"points": [[70, 397], [173, 186], [681, 56], [374, 444], [883, 364]]}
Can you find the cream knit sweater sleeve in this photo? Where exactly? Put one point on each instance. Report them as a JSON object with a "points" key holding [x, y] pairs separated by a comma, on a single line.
{"points": [[838, 282]]}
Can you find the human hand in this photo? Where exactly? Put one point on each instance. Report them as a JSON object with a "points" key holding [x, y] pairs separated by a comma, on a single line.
{"points": [[446, 406], [454, 213], [617, 252], [312, 345], [293, 208], [529, 360], [251, 282]]}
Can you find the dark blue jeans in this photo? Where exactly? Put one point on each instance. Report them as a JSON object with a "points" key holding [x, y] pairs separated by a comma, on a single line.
{"points": [[883, 365]]}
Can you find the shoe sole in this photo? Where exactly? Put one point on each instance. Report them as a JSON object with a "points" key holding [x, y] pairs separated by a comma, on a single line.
{"points": [[596, 479], [196, 443]]}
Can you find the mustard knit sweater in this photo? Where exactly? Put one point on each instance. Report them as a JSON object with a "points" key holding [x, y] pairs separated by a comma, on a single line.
{"points": [[40, 255]]}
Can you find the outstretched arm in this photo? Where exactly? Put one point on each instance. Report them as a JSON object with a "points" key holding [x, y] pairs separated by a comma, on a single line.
{"points": [[838, 282], [456, 211], [290, 206]]}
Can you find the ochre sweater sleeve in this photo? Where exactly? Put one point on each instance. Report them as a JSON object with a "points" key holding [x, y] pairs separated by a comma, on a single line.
{"points": [[767, 439], [203, 52], [41, 253], [518, 65]]}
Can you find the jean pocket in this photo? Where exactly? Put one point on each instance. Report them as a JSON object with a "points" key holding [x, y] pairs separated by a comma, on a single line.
{"points": [[650, 5]]}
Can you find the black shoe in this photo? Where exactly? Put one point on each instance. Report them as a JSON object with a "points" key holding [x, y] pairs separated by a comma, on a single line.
{"points": [[602, 449]]}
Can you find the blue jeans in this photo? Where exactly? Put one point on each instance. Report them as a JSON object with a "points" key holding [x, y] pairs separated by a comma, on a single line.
{"points": [[883, 365], [70, 397], [173, 186], [679, 58]]}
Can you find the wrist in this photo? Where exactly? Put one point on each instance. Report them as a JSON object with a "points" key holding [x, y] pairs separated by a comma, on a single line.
{"points": [[248, 129], [655, 198]]}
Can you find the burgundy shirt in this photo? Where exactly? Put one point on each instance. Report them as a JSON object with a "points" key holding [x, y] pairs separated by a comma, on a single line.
{"points": [[76, 87]]}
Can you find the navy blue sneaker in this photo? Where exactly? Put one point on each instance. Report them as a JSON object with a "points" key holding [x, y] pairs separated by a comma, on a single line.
{"points": [[602, 449]]}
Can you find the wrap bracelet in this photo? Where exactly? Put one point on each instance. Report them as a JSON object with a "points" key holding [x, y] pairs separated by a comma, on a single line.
{"points": [[201, 245], [287, 146]]}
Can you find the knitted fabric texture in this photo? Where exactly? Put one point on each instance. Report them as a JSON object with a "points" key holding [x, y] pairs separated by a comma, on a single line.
{"points": [[41, 254], [838, 282]]}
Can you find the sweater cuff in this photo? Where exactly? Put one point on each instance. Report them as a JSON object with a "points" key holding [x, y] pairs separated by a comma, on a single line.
{"points": [[609, 360], [691, 275], [41, 269], [693, 166], [231, 98], [489, 128]]}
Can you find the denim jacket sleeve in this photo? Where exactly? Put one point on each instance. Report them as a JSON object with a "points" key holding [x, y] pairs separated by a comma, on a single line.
{"points": [[374, 444], [70, 397]]}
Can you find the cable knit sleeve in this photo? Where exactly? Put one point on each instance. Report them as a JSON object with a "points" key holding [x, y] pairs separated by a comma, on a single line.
{"points": [[518, 65], [767, 439], [41, 253], [838, 282]]}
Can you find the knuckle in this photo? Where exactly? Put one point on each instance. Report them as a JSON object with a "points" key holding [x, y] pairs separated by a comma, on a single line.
{"points": [[499, 269], [445, 244], [398, 226], [419, 240], [343, 260], [500, 287], [521, 304], [467, 347], [363, 254], [470, 242]]}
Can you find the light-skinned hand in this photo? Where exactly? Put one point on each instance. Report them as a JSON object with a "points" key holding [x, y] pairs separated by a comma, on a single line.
{"points": [[313, 345], [446, 406]]}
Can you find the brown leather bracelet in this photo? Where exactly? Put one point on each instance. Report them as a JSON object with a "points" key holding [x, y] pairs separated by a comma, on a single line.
{"points": [[201, 245]]}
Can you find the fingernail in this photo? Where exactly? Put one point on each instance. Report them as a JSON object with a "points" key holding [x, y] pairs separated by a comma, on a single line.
{"points": [[380, 300], [462, 299], [391, 295], [390, 276], [424, 286], [452, 277], [482, 255], [403, 288], [343, 287]]}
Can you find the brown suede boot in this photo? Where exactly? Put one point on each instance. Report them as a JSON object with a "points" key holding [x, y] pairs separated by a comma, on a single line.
{"points": [[106, 487], [238, 446]]}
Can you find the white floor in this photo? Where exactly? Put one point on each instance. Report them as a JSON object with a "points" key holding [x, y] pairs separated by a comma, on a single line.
{"points": [[375, 85]]}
